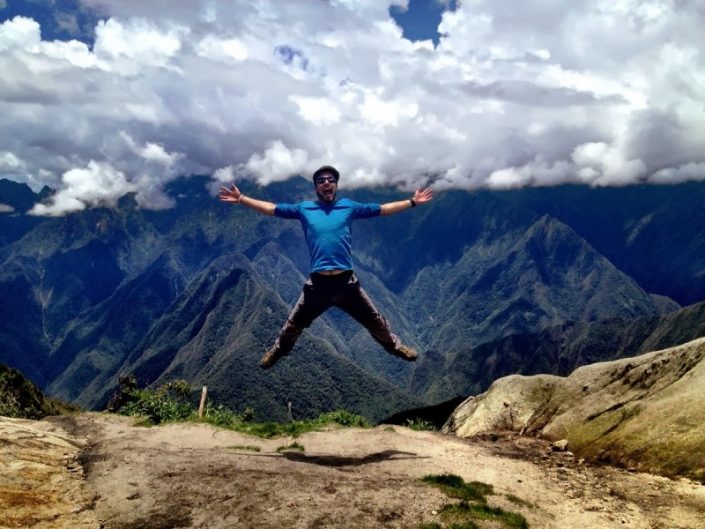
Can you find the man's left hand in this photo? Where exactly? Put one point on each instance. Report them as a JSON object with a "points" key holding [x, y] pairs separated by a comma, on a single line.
{"points": [[421, 196]]}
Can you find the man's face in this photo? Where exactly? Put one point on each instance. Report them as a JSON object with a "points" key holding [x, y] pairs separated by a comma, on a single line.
{"points": [[326, 187]]}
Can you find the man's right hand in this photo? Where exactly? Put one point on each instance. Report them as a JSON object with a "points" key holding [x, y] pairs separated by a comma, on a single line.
{"points": [[232, 195]]}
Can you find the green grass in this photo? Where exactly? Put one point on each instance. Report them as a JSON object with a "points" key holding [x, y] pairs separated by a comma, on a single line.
{"points": [[251, 448], [270, 429], [293, 447], [467, 524], [518, 501], [455, 487], [473, 507], [480, 511]]}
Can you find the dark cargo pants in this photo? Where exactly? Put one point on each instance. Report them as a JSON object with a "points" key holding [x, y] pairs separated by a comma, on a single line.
{"points": [[343, 291]]}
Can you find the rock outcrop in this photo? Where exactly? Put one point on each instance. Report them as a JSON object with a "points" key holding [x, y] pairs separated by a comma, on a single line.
{"points": [[22, 399], [645, 412], [42, 484]]}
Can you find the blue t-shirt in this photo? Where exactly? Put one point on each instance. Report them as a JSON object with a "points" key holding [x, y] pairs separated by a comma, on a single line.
{"points": [[327, 228]]}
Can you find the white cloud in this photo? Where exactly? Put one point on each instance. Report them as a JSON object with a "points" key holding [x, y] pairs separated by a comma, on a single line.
{"points": [[225, 174], [151, 152], [277, 163], [137, 44], [222, 49], [98, 184], [537, 172], [603, 165], [378, 111], [156, 153], [317, 110], [9, 162], [19, 33], [24, 35], [509, 178], [536, 93], [677, 175], [4, 208]]}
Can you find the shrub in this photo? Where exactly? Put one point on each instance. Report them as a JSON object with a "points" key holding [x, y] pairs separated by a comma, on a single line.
{"points": [[248, 415], [420, 425], [219, 416], [168, 403], [343, 418]]}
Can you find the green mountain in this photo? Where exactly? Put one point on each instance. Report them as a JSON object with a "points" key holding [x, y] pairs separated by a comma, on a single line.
{"points": [[15, 200], [556, 350], [531, 277], [213, 333], [653, 233], [200, 290]]}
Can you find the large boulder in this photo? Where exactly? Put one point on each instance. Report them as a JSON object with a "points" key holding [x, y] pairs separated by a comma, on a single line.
{"points": [[645, 412]]}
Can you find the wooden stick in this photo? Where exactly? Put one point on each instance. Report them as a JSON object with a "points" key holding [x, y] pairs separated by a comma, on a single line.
{"points": [[202, 405]]}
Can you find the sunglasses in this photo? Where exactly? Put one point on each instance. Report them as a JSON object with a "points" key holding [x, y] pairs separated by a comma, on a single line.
{"points": [[323, 179]]}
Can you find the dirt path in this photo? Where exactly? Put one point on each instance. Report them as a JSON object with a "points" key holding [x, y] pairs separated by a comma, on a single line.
{"points": [[190, 475]]}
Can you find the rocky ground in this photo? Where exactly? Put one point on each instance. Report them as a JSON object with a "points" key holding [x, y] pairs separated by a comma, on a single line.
{"points": [[101, 471]]}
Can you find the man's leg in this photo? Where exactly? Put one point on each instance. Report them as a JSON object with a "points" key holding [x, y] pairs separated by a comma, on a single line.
{"points": [[287, 337], [357, 303], [311, 304]]}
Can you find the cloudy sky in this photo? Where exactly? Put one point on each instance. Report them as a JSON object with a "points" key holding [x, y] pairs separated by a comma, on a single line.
{"points": [[99, 98]]}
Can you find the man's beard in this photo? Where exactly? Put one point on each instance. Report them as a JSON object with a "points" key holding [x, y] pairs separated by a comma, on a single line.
{"points": [[323, 198]]}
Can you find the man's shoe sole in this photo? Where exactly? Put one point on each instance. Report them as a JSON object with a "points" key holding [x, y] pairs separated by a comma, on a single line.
{"points": [[269, 359], [406, 353]]}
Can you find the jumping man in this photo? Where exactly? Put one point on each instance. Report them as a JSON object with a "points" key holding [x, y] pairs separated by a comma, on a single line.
{"points": [[326, 223]]}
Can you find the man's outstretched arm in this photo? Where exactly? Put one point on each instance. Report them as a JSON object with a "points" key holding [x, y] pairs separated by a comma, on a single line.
{"points": [[234, 196], [420, 198]]}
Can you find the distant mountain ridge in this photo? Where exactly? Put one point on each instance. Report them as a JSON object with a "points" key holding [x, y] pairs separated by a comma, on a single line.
{"points": [[200, 290], [653, 233], [556, 350], [15, 200]]}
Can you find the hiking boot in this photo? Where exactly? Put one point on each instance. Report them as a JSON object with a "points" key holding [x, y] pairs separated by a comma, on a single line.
{"points": [[405, 353], [270, 357]]}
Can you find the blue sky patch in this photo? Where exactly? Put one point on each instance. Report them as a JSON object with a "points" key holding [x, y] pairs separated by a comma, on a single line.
{"points": [[420, 21], [288, 55]]}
